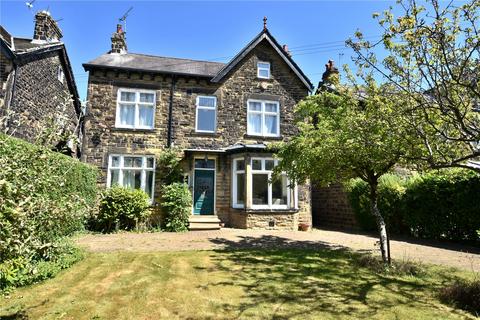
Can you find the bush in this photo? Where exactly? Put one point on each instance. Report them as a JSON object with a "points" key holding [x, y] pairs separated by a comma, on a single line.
{"points": [[390, 191], [436, 205], [121, 208], [44, 196], [20, 271], [444, 205], [464, 295], [169, 169], [176, 204]]}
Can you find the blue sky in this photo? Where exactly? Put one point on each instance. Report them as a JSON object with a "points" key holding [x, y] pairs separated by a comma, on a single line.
{"points": [[213, 30]]}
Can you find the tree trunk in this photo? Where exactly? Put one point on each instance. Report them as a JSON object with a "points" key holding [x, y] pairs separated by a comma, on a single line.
{"points": [[382, 227]]}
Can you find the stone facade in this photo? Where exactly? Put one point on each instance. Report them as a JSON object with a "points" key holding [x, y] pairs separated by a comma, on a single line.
{"points": [[102, 138], [39, 98]]}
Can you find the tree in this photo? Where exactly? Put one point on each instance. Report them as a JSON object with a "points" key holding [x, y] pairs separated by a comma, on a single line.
{"points": [[346, 134], [433, 61]]}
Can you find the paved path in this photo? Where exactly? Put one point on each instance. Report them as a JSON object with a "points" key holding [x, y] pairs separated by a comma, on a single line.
{"points": [[429, 252]]}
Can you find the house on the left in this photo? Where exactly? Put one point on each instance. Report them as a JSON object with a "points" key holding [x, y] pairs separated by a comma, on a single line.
{"points": [[38, 94]]}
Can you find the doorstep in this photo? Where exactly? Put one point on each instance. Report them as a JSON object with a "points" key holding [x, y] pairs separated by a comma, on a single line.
{"points": [[199, 222]]}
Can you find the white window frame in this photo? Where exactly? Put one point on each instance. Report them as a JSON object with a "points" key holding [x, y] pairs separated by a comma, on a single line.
{"points": [[263, 68], [143, 170], [214, 108], [137, 103], [234, 183], [263, 170], [263, 113], [60, 74]]}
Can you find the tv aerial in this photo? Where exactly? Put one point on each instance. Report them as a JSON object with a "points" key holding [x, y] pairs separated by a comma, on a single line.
{"points": [[124, 18]]}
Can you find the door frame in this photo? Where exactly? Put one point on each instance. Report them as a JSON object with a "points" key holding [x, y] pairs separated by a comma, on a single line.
{"points": [[214, 185]]}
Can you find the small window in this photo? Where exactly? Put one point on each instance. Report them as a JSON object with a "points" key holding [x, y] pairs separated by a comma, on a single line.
{"points": [[206, 114], [136, 172], [60, 74], [238, 183], [263, 70], [135, 109]]}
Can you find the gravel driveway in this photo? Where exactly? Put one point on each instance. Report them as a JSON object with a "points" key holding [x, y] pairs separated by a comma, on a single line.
{"points": [[427, 251]]}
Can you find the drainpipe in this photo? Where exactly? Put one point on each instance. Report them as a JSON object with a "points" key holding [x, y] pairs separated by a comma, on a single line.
{"points": [[12, 92], [170, 113]]}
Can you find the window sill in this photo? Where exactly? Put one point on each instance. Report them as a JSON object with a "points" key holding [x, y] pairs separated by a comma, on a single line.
{"points": [[133, 129], [251, 136], [205, 134], [266, 210]]}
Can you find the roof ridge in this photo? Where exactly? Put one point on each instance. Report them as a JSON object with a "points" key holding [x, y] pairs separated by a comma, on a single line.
{"points": [[177, 58]]}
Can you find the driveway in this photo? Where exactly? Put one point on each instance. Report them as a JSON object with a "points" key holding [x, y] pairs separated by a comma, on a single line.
{"points": [[463, 257]]}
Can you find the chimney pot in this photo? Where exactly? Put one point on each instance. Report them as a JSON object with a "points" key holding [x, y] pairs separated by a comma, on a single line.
{"points": [[119, 41]]}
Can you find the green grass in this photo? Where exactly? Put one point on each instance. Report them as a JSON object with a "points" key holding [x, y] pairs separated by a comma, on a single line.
{"points": [[249, 284]]}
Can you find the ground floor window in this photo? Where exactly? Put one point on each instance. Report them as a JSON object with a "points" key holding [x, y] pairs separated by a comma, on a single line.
{"points": [[136, 172], [265, 192]]}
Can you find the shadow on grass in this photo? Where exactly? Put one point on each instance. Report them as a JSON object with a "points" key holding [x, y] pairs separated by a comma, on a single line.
{"points": [[302, 279]]}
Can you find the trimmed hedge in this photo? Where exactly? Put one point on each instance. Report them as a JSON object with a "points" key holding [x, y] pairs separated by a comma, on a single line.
{"points": [[44, 196], [436, 205]]}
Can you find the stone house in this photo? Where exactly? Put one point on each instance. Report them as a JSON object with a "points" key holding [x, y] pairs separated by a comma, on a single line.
{"points": [[37, 89], [222, 116]]}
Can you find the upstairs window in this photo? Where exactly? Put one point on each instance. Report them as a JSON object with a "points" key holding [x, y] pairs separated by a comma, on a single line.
{"points": [[263, 118], [206, 114], [60, 74], [131, 171], [263, 70], [135, 109]]}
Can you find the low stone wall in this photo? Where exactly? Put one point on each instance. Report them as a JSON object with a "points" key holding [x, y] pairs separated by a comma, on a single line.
{"points": [[265, 220], [331, 208]]}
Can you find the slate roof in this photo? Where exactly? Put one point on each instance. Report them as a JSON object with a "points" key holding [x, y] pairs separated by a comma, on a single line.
{"points": [[264, 35], [214, 70], [150, 63]]}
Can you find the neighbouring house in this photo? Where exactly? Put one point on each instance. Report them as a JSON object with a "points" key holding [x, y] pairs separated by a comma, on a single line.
{"points": [[38, 95], [223, 117]]}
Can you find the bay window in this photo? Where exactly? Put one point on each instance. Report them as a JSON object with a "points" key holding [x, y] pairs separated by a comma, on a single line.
{"points": [[263, 118], [135, 172], [135, 109], [266, 193]]}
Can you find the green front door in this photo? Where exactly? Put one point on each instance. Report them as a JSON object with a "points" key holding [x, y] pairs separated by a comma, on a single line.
{"points": [[204, 192]]}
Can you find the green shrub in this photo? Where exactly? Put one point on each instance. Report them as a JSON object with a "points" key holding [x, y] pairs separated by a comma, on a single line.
{"points": [[436, 205], [390, 191], [121, 209], [169, 169], [20, 271], [176, 204], [44, 196], [444, 205]]}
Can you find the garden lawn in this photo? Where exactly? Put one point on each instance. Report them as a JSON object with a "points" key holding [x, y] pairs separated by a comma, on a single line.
{"points": [[248, 284]]}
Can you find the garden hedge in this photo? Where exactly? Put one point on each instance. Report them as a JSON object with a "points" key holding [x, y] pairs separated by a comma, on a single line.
{"points": [[436, 205], [44, 197]]}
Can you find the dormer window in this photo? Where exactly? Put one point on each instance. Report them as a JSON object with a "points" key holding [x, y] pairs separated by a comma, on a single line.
{"points": [[263, 70]]}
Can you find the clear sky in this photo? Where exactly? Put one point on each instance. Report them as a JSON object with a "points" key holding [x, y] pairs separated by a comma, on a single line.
{"points": [[208, 30]]}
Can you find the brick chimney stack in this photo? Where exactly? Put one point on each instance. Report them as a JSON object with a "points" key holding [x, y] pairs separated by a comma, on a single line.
{"points": [[46, 28], [119, 41], [330, 70]]}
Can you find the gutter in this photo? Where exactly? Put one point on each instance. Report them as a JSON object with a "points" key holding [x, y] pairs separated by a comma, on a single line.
{"points": [[170, 113]]}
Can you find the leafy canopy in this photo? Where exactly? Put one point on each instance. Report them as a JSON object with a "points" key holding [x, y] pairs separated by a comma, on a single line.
{"points": [[351, 133]]}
